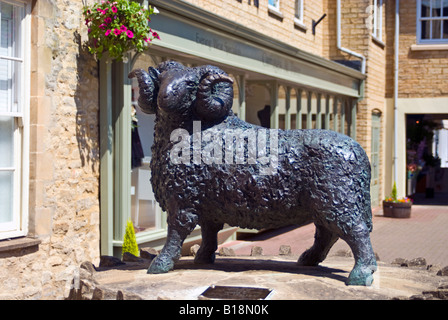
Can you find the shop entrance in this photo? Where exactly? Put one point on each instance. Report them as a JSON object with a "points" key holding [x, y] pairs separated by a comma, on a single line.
{"points": [[427, 158]]}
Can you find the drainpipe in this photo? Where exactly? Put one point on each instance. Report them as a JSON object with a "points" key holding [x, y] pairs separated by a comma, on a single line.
{"points": [[355, 54], [396, 68]]}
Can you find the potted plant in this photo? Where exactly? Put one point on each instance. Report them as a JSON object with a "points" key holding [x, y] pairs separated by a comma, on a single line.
{"points": [[397, 208], [117, 27]]}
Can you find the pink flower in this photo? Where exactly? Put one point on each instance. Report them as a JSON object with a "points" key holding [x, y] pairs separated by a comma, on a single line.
{"points": [[117, 32], [123, 28], [130, 34], [108, 20], [114, 9], [155, 35], [101, 26], [107, 32]]}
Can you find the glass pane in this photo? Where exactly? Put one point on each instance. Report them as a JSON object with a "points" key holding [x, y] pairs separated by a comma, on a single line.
{"points": [[274, 3], [436, 29], [143, 205], [299, 9], [445, 8], [11, 17], [426, 30], [425, 9], [436, 8], [445, 29], [6, 142], [6, 196]]}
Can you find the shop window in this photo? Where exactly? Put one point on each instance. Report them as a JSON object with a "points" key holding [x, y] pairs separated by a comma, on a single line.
{"points": [[13, 120], [432, 21], [145, 213]]}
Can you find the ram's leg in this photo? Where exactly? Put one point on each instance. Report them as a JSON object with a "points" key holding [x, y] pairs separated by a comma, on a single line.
{"points": [[365, 262], [206, 253], [323, 241], [179, 227]]}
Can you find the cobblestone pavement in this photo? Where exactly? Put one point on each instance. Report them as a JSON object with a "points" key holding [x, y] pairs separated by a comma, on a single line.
{"points": [[425, 235]]}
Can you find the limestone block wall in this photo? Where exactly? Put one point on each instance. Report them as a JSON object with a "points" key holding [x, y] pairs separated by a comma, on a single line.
{"points": [[422, 73], [280, 26], [64, 157]]}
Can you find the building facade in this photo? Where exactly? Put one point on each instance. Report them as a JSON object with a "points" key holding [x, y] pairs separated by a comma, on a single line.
{"points": [[49, 168], [421, 84], [68, 184]]}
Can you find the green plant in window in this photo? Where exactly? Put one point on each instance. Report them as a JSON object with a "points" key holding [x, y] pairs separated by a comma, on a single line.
{"points": [[130, 242], [117, 27]]}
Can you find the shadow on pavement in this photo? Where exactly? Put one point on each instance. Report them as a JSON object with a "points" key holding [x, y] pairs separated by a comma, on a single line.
{"points": [[241, 265], [439, 199]]}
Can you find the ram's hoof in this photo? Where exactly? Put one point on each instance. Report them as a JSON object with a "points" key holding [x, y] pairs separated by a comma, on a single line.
{"points": [[360, 276], [160, 266], [204, 259]]}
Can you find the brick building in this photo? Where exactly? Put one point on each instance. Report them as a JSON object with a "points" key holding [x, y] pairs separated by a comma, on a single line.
{"points": [[65, 124], [49, 158], [421, 87]]}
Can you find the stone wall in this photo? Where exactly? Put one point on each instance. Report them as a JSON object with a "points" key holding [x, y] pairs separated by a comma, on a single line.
{"points": [[279, 26], [356, 35], [422, 73], [64, 157]]}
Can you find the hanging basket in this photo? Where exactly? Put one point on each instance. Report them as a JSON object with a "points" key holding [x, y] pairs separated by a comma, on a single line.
{"points": [[118, 27], [397, 209]]}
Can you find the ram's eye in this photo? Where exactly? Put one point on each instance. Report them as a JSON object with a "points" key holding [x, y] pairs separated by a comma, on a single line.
{"points": [[191, 84]]}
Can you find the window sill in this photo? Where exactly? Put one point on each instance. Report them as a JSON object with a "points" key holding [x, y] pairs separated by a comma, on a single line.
{"points": [[429, 47], [377, 41], [18, 244], [299, 25], [272, 10]]}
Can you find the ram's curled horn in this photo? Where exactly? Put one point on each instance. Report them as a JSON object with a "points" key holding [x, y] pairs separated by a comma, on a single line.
{"points": [[214, 97], [148, 84]]}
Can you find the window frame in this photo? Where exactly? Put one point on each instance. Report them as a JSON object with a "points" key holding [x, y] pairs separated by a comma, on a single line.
{"points": [[377, 25], [274, 7], [298, 11], [19, 224], [419, 20]]}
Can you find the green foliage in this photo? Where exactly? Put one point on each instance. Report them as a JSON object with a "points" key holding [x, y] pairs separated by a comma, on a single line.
{"points": [[393, 194], [129, 242], [117, 27]]}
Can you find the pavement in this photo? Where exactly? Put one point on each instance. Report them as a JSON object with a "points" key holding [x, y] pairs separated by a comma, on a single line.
{"points": [[423, 235]]}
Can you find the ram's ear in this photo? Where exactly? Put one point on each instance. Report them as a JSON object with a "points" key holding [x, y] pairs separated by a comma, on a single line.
{"points": [[148, 83], [214, 97]]}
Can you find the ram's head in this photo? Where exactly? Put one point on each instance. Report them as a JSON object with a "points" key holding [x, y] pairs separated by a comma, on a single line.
{"points": [[204, 92]]}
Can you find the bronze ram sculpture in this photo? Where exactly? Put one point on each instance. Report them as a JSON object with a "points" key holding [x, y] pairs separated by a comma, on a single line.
{"points": [[315, 175]]}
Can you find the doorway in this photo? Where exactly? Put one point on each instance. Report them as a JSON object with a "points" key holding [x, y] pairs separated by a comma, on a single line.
{"points": [[427, 158]]}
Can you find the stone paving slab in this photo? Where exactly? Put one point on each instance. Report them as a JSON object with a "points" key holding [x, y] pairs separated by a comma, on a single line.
{"points": [[281, 274], [423, 235]]}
